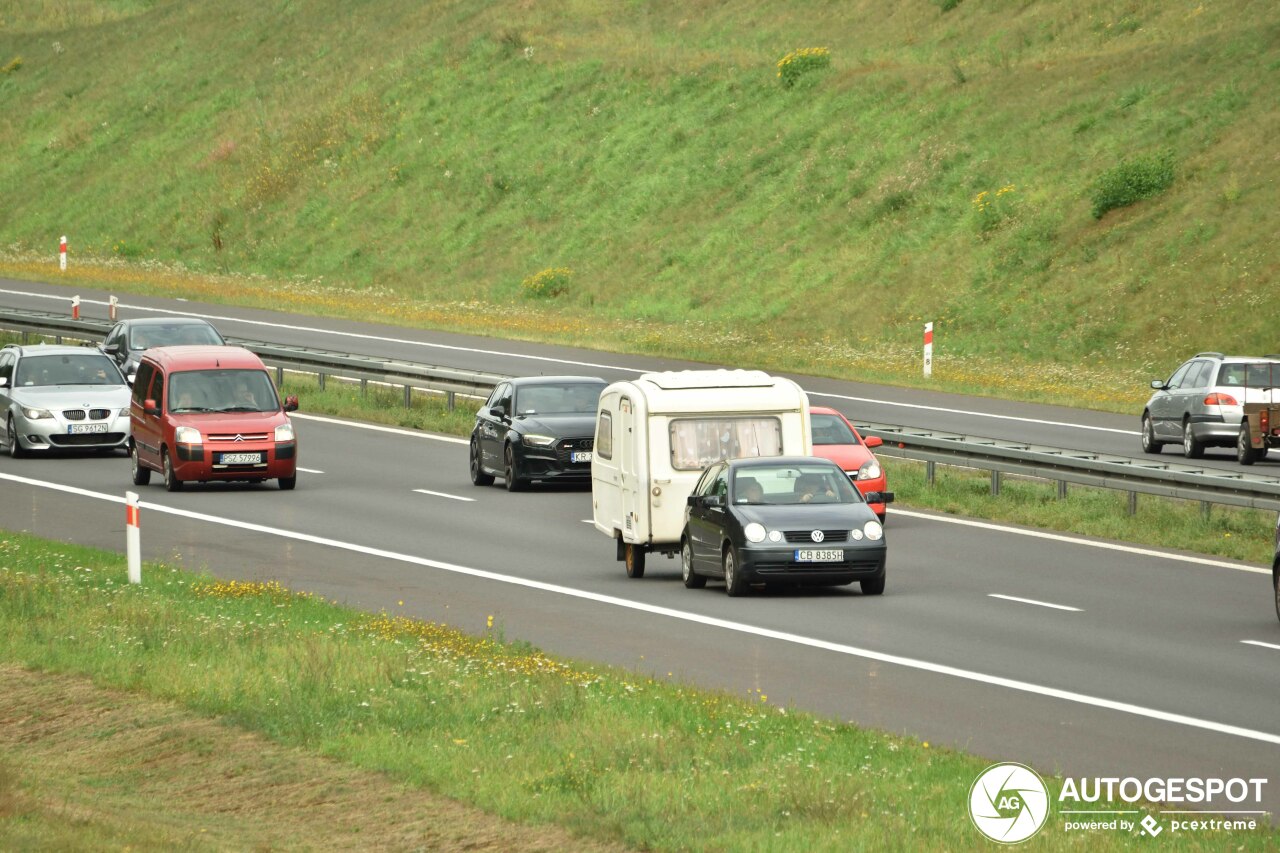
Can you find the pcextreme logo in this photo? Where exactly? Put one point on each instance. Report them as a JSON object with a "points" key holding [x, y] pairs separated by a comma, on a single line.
{"points": [[1008, 803]]}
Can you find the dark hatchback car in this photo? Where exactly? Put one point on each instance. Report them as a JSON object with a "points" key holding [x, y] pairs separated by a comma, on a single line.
{"points": [[129, 339], [536, 428], [1275, 570], [793, 520]]}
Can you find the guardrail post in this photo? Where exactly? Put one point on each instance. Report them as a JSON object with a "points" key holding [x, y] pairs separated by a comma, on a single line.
{"points": [[1062, 489], [1204, 510], [320, 379], [279, 376], [449, 395], [408, 397], [930, 472], [364, 388], [1133, 503], [995, 484]]}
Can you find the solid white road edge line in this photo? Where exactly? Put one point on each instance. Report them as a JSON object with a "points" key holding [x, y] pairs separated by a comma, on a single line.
{"points": [[1260, 643], [696, 618], [309, 470], [443, 495], [383, 339], [1060, 537], [1033, 601], [413, 433]]}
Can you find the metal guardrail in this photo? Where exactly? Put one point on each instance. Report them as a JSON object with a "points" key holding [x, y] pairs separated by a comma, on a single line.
{"points": [[1133, 475], [448, 381]]}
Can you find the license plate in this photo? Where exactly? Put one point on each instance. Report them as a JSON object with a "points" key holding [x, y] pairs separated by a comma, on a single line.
{"points": [[819, 555], [241, 458], [580, 456], [75, 429]]}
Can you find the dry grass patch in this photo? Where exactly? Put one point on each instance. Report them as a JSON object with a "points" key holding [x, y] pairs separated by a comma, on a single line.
{"points": [[86, 767]]}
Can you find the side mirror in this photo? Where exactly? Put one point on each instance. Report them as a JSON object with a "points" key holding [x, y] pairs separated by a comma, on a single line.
{"points": [[4, 381], [131, 377], [498, 412], [1158, 384], [872, 441], [692, 500], [109, 349], [291, 403], [149, 407], [714, 501]]}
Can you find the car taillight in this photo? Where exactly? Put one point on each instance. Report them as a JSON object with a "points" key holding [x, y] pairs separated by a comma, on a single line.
{"points": [[1264, 418], [1216, 399]]}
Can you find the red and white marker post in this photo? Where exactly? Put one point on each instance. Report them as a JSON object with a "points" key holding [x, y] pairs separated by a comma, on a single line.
{"points": [[928, 350], [62, 253], [112, 302], [133, 537], [75, 308]]}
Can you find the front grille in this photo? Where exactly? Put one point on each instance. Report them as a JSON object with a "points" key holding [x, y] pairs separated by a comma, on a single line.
{"points": [[827, 536], [244, 436], [573, 445], [73, 414], [99, 414]]}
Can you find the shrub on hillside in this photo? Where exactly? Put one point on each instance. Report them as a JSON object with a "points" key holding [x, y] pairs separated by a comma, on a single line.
{"points": [[991, 210], [800, 62], [1132, 181], [548, 283], [12, 65]]}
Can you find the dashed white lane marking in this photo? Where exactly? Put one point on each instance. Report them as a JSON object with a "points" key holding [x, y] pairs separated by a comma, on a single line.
{"points": [[1033, 601], [1260, 643], [444, 495], [309, 470]]}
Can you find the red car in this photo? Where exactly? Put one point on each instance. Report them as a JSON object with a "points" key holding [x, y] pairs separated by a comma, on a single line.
{"points": [[202, 413], [835, 438]]}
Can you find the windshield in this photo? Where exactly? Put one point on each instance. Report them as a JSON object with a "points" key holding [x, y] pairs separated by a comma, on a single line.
{"points": [[772, 485], [831, 429], [88, 369], [172, 334], [569, 398], [222, 391]]}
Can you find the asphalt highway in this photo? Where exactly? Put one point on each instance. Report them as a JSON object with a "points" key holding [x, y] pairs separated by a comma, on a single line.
{"points": [[1075, 656]]}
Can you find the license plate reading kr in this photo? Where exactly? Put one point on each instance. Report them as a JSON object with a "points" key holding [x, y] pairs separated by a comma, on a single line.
{"points": [[580, 456], [819, 555], [241, 458]]}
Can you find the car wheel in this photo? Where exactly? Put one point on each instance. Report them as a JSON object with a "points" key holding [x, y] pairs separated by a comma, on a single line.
{"points": [[1245, 452], [141, 476], [171, 481], [692, 580], [633, 558], [1192, 448], [11, 438], [733, 581], [873, 586], [1149, 443], [510, 474], [288, 484], [478, 476]]}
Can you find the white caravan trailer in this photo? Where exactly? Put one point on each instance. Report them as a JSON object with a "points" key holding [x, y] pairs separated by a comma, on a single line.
{"points": [[655, 435]]}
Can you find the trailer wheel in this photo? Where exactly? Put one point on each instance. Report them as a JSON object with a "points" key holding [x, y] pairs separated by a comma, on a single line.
{"points": [[1246, 453], [634, 558]]}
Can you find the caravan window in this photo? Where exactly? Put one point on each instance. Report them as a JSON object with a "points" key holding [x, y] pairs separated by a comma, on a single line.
{"points": [[604, 436], [697, 442]]}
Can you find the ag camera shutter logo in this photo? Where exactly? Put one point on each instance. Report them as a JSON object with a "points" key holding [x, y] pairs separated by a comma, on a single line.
{"points": [[1008, 803]]}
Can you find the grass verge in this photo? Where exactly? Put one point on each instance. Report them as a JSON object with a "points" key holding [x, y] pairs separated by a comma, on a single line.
{"points": [[607, 755]]}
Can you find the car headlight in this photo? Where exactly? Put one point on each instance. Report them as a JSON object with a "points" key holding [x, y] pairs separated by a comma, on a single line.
{"points": [[284, 432], [535, 440], [869, 470], [874, 530], [33, 414], [124, 413], [855, 534], [186, 435], [754, 532]]}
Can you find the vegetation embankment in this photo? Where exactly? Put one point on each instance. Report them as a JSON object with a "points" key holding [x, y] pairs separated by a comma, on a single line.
{"points": [[794, 186], [612, 757]]}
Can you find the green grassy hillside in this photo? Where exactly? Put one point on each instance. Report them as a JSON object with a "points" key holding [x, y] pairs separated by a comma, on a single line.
{"points": [[421, 162]]}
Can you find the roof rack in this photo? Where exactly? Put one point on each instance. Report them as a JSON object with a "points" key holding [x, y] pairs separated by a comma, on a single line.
{"points": [[1208, 355]]}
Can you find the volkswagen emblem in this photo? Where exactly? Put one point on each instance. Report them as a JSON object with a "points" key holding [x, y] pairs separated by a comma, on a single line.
{"points": [[817, 536]]}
